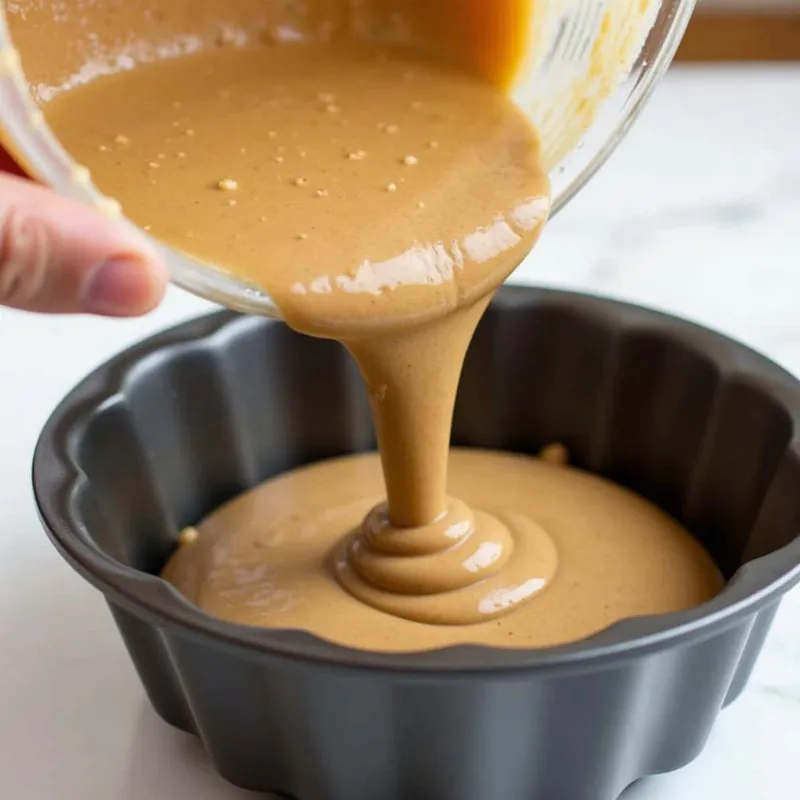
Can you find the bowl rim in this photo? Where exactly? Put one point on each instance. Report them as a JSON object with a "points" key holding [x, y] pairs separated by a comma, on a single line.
{"points": [[755, 585]]}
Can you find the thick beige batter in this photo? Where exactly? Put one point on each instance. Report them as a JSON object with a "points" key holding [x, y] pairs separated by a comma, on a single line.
{"points": [[263, 559], [380, 196]]}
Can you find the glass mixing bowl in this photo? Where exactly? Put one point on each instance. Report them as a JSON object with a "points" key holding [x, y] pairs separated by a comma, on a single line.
{"points": [[589, 67]]}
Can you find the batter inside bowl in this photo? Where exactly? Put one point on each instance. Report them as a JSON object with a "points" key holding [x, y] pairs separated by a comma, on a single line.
{"points": [[379, 194]]}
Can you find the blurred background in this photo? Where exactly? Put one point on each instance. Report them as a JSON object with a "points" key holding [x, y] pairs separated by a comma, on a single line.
{"points": [[743, 30]]}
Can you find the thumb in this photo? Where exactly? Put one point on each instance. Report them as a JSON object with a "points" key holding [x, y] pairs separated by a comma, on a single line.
{"points": [[59, 256]]}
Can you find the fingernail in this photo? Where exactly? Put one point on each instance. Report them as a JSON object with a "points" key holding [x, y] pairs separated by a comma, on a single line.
{"points": [[120, 286]]}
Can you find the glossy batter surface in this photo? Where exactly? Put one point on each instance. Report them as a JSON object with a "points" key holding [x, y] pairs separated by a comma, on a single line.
{"points": [[362, 187], [267, 557]]}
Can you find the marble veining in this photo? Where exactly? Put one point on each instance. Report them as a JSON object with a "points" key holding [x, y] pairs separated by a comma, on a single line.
{"points": [[697, 214]]}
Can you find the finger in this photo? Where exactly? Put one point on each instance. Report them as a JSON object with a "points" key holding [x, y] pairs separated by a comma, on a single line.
{"points": [[58, 256]]}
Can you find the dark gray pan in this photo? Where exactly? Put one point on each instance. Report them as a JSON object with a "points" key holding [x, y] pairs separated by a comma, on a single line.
{"points": [[173, 427]]}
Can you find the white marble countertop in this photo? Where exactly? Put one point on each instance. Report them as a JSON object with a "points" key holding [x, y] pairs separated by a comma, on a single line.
{"points": [[698, 214]]}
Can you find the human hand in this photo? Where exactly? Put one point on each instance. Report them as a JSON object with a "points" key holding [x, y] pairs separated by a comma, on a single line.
{"points": [[58, 256]]}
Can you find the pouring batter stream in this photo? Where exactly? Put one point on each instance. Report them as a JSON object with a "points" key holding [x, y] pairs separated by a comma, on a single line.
{"points": [[380, 196]]}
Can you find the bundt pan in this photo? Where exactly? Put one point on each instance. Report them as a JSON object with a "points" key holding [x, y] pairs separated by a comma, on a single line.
{"points": [[170, 429]]}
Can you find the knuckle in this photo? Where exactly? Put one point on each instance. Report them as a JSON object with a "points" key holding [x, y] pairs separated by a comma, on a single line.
{"points": [[24, 253]]}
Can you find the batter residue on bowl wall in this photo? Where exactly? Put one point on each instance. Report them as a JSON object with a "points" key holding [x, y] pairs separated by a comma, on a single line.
{"points": [[380, 195]]}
